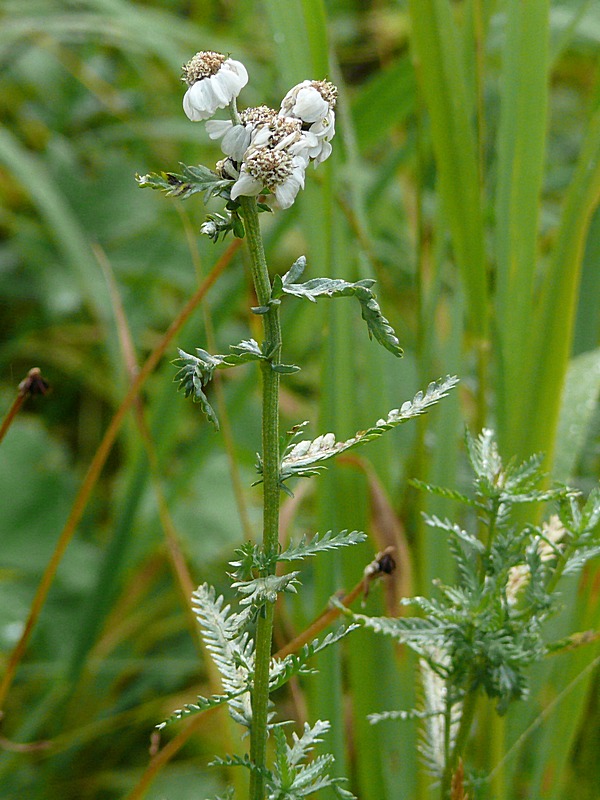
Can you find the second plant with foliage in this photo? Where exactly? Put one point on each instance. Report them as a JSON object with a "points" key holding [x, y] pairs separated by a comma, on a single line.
{"points": [[481, 634]]}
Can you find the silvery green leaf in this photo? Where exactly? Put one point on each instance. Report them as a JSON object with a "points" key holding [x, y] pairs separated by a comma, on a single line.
{"points": [[285, 369], [197, 371], [452, 527], [259, 591], [194, 373], [202, 704], [377, 324], [231, 648], [189, 182], [328, 541], [306, 457], [294, 272], [281, 670], [579, 558]]}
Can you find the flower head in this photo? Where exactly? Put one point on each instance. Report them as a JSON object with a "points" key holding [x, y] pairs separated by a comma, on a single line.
{"points": [[278, 170], [313, 102], [236, 138], [214, 81]]}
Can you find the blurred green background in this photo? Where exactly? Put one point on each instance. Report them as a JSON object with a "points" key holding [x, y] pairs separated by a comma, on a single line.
{"points": [[465, 179]]}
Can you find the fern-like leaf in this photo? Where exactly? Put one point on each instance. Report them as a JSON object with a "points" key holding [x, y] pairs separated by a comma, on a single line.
{"points": [[378, 326], [197, 371], [252, 558], [306, 458], [202, 704], [232, 650], [281, 670], [318, 544], [258, 591], [190, 181]]}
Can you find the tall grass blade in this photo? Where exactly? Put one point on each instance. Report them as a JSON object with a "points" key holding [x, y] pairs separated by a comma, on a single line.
{"points": [[555, 321], [439, 64], [521, 146]]}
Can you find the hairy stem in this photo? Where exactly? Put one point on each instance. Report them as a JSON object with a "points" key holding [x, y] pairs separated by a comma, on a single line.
{"points": [[270, 455]]}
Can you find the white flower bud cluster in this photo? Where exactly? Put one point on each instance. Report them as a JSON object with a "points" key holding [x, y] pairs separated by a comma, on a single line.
{"points": [[266, 150]]}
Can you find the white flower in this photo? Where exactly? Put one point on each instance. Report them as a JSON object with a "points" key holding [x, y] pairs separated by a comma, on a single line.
{"points": [[313, 102], [214, 81], [307, 101], [237, 138], [278, 170]]}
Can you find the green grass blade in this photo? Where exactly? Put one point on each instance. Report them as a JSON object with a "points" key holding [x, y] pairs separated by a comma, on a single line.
{"points": [[440, 66], [29, 170], [520, 146], [580, 397], [556, 319]]}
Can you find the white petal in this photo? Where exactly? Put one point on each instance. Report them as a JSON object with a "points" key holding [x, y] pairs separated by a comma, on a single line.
{"points": [[239, 70], [310, 105], [216, 128], [220, 89], [235, 142], [198, 101], [285, 194], [246, 185], [324, 153]]}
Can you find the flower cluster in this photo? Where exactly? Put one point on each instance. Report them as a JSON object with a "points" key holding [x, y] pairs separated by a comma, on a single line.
{"points": [[266, 150]]}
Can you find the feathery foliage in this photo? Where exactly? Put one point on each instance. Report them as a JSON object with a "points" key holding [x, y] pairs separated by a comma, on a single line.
{"points": [[483, 632], [306, 458]]}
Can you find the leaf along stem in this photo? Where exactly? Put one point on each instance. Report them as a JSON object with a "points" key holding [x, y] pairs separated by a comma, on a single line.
{"points": [[271, 488]]}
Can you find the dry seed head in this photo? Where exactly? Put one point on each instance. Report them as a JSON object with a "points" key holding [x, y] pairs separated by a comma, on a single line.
{"points": [[327, 90], [271, 167], [257, 115], [202, 65]]}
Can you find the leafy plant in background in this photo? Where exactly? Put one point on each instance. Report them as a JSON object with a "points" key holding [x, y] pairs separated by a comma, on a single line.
{"points": [[267, 153], [483, 633]]}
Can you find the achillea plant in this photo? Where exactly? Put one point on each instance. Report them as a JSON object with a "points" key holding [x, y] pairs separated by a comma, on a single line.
{"points": [[480, 635], [267, 152]]}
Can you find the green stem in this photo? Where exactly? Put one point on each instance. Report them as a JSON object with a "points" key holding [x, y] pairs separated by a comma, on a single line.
{"points": [[464, 728], [271, 489]]}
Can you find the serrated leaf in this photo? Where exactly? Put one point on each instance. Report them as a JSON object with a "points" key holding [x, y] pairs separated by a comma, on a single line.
{"points": [[329, 541], [442, 491], [191, 378], [378, 326], [258, 591], [201, 704], [281, 670], [306, 458], [197, 371], [285, 369], [231, 648], [451, 527], [191, 181], [579, 558], [405, 716]]}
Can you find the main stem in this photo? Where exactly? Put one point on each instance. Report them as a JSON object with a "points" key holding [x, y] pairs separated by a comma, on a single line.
{"points": [[270, 456]]}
